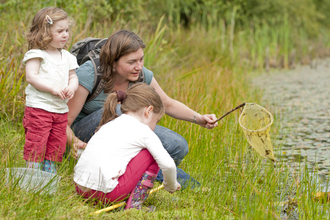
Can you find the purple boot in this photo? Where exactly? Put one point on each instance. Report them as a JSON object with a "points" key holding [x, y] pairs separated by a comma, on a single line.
{"points": [[141, 191]]}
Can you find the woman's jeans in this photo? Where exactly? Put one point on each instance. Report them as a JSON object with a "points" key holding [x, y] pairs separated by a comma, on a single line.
{"points": [[174, 143]]}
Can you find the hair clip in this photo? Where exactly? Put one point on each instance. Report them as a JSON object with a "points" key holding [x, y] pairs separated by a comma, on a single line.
{"points": [[49, 20]]}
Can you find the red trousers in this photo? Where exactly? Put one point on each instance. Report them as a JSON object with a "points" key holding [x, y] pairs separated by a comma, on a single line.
{"points": [[45, 135], [127, 182]]}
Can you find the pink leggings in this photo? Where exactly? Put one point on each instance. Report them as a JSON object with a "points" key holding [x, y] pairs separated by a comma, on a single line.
{"points": [[127, 182]]}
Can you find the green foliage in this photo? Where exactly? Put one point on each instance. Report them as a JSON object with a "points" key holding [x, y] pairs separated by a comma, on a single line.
{"points": [[10, 88], [300, 15], [323, 7], [307, 14], [94, 11], [211, 12]]}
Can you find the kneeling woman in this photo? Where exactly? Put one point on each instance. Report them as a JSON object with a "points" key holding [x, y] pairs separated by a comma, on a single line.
{"points": [[124, 155]]}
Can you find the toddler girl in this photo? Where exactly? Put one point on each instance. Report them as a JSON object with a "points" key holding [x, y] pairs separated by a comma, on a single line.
{"points": [[124, 155], [50, 72]]}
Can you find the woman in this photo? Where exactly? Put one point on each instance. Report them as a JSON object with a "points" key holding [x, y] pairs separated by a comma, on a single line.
{"points": [[121, 62]]}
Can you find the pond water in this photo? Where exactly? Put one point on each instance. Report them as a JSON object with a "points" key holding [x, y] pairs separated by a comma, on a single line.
{"points": [[300, 101]]}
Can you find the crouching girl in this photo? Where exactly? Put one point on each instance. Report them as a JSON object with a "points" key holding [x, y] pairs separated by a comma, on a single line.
{"points": [[124, 155]]}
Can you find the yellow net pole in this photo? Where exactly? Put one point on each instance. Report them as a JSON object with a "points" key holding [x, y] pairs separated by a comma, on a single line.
{"points": [[122, 203]]}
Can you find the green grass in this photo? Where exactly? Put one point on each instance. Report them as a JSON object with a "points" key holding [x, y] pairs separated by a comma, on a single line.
{"points": [[207, 67]]}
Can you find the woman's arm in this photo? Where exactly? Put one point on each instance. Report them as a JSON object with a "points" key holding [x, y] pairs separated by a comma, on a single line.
{"points": [[75, 105], [179, 110]]}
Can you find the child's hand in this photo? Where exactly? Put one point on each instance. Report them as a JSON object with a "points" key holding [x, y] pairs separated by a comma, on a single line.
{"points": [[178, 187], [58, 91], [69, 92]]}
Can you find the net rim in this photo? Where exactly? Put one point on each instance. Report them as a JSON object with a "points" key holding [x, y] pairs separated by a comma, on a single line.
{"points": [[262, 129]]}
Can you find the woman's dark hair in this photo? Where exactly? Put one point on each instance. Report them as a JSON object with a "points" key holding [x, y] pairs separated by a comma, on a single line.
{"points": [[119, 44]]}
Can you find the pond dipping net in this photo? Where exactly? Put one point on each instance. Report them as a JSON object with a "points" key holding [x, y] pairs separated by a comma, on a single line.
{"points": [[256, 121]]}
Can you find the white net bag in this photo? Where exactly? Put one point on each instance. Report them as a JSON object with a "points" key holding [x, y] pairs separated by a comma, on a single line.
{"points": [[33, 180], [256, 121]]}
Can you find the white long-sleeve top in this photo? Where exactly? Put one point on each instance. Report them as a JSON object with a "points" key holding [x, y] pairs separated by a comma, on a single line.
{"points": [[112, 147]]}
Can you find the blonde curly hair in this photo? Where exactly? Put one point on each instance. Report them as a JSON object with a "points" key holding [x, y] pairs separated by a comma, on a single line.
{"points": [[40, 35]]}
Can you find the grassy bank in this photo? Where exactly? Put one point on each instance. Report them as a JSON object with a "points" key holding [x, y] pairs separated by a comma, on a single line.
{"points": [[206, 67]]}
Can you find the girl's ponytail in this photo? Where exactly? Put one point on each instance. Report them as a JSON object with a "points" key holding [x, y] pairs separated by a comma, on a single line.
{"points": [[138, 96], [109, 109]]}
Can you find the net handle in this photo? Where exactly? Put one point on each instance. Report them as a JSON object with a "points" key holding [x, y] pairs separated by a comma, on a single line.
{"points": [[240, 106]]}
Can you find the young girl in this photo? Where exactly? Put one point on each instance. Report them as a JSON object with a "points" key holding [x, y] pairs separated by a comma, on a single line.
{"points": [[50, 72], [124, 155]]}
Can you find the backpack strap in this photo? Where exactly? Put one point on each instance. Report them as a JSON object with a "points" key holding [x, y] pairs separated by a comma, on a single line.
{"points": [[93, 55], [98, 81]]}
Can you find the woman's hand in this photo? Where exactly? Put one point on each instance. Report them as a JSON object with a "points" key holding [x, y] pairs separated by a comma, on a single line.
{"points": [[206, 121], [75, 147]]}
